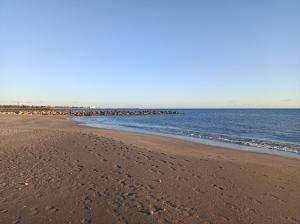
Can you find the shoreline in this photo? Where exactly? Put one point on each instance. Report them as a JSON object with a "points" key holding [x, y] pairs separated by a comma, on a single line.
{"points": [[57, 171], [146, 140], [212, 143]]}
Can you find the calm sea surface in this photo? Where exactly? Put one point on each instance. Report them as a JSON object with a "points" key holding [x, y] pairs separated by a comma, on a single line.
{"points": [[275, 131]]}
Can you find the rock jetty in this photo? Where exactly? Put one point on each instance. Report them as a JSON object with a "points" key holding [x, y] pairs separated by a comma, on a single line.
{"points": [[81, 112]]}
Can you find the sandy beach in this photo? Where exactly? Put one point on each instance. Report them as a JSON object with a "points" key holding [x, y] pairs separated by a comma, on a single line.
{"points": [[56, 171]]}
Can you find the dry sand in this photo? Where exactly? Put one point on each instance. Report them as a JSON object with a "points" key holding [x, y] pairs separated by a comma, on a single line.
{"points": [[55, 171]]}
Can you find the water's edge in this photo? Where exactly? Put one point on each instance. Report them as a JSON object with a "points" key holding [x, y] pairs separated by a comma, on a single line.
{"points": [[208, 142]]}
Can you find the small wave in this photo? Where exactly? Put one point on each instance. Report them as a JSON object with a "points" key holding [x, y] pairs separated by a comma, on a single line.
{"points": [[257, 143], [170, 130]]}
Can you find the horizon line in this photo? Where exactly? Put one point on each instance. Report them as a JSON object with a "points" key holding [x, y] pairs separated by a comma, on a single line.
{"points": [[151, 108]]}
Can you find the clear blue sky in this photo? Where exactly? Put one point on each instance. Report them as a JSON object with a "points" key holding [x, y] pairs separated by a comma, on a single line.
{"points": [[157, 53]]}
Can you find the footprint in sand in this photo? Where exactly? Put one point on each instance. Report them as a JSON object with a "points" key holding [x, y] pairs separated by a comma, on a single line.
{"points": [[172, 204], [86, 221], [196, 189], [152, 210], [277, 198], [51, 209], [17, 220], [218, 187], [118, 167], [3, 211], [172, 168], [34, 211], [293, 220]]}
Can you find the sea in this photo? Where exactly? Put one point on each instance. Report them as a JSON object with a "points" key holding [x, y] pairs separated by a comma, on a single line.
{"points": [[273, 131]]}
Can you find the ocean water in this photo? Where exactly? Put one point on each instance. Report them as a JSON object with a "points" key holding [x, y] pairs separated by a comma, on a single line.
{"points": [[275, 131]]}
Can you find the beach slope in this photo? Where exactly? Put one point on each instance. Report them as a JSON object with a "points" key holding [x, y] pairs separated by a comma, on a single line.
{"points": [[55, 171]]}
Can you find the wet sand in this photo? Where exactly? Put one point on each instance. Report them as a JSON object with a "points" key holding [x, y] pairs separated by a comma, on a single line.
{"points": [[55, 171]]}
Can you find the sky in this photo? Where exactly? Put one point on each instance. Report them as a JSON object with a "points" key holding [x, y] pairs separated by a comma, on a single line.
{"points": [[151, 54]]}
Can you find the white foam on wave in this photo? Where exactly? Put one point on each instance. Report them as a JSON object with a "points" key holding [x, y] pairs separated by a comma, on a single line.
{"points": [[159, 129]]}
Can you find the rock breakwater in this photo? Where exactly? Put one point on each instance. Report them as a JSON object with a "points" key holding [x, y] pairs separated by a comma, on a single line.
{"points": [[82, 112]]}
